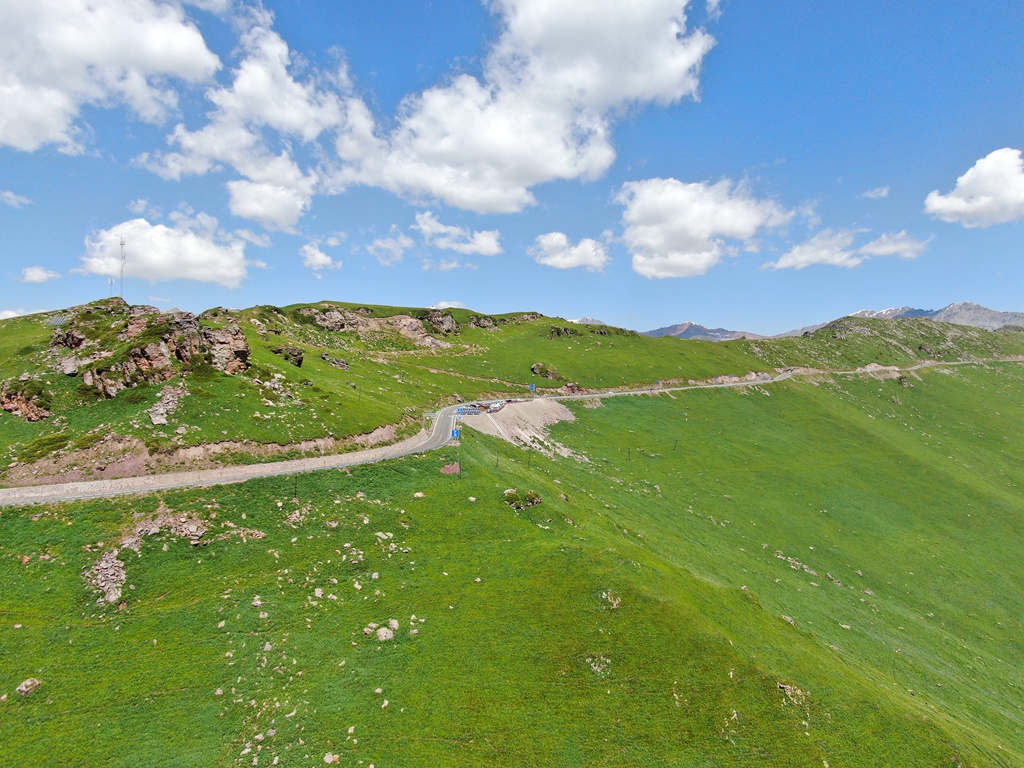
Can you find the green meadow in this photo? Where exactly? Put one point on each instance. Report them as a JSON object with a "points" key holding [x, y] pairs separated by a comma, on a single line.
{"points": [[821, 572]]}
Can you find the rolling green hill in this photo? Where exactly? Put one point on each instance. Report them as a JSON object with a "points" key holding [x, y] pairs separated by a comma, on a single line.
{"points": [[823, 571]]}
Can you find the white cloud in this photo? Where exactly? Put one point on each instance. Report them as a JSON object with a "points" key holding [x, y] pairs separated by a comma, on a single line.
{"points": [[836, 248], [259, 240], [449, 305], [192, 249], [878, 193], [315, 259], [714, 9], [898, 244], [992, 192], [38, 275], [13, 200], [445, 265], [212, 6], [826, 247], [555, 250], [553, 83], [458, 239], [275, 206], [390, 250], [263, 101], [7, 314], [59, 55], [675, 229]]}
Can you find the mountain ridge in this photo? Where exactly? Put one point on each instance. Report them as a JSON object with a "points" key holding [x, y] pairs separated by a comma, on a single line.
{"points": [[961, 313]]}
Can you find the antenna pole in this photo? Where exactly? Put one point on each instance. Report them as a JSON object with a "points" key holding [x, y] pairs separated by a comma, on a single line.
{"points": [[122, 268]]}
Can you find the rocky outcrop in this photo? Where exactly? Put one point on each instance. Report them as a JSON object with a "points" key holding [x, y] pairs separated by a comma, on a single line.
{"points": [[26, 399], [539, 369], [442, 321], [23, 402], [292, 354], [108, 576], [337, 362], [332, 319], [228, 347], [165, 343], [481, 321]]}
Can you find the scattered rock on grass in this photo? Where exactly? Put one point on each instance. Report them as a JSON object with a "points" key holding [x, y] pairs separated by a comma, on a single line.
{"points": [[28, 686]]}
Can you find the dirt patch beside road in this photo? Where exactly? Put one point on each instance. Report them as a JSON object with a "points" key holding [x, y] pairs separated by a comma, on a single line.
{"points": [[525, 424]]}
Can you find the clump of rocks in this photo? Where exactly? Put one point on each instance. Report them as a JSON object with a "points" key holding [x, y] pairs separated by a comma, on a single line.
{"points": [[517, 500]]}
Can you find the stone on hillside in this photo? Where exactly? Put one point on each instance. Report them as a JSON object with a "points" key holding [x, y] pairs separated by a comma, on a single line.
{"points": [[108, 576], [385, 633], [28, 686]]}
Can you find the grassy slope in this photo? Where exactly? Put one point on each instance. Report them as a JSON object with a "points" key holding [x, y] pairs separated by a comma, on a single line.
{"points": [[390, 381], [917, 488]]}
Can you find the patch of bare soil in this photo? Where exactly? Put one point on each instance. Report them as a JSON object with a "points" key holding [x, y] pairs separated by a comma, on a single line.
{"points": [[119, 456], [526, 424]]}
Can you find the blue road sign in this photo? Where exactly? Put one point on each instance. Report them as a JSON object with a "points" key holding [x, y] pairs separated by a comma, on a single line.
{"points": [[456, 434], [533, 387]]}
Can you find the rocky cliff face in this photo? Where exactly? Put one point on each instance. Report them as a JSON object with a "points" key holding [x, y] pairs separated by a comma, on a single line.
{"points": [[151, 347]]}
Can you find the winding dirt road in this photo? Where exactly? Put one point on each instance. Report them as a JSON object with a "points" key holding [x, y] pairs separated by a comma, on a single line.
{"points": [[436, 437]]}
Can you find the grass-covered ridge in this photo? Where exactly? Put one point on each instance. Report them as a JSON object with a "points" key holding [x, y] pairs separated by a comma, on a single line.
{"points": [[367, 373], [816, 572]]}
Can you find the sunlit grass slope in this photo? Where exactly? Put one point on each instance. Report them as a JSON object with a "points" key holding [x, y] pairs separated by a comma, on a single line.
{"points": [[391, 381], [794, 576]]}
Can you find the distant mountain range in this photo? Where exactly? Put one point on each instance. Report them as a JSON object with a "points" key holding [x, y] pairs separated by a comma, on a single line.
{"points": [[695, 331], [965, 313]]}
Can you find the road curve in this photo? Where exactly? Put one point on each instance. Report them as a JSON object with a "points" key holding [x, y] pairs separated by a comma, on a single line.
{"points": [[439, 435]]}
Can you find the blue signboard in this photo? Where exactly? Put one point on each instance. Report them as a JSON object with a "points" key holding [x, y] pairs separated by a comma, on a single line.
{"points": [[533, 387], [456, 434]]}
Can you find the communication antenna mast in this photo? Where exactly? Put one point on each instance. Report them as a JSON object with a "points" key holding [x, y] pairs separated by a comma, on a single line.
{"points": [[123, 258]]}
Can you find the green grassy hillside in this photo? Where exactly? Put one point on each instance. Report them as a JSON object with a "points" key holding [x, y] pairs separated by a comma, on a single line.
{"points": [[813, 573], [362, 373]]}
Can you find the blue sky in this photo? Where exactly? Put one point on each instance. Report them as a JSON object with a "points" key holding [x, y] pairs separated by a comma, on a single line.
{"points": [[747, 165]]}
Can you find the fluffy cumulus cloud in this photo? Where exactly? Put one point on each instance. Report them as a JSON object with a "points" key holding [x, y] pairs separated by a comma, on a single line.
{"points": [[678, 229], [315, 259], [7, 314], [193, 248], [449, 305], [390, 250], [58, 55], [555, 250], [11, 199], [458, 239], [837, 248], [543, 110], [38, 275], [263, 102], [992, 192]]}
